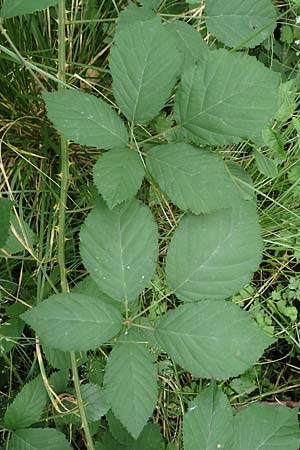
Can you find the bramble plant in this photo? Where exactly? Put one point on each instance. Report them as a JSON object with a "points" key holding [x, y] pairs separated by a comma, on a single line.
{"points": [[165, 79]]}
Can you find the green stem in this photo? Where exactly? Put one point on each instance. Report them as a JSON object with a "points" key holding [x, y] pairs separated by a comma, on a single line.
{"points": [[62, 211]]}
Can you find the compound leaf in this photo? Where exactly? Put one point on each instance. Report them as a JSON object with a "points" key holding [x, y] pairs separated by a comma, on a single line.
{"points": [[119, 248], [74, 322], [12, 8], [95, 401], [85, 119], [244, 23], [5, 209], [28, 406], [38, 438], [118, 175], [208, 424], [215, 255], [227, 98], [266, 427], [211, 339], [130, 383], [194, 179], [144, 64]]}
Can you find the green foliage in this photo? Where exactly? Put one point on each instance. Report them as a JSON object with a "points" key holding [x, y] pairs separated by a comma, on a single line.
{"points": [[130, 383], [28, 406], [5, 208], [38, 438], [95, 400], [74, 322], [12, 8], [240, 23], [189, 42]]}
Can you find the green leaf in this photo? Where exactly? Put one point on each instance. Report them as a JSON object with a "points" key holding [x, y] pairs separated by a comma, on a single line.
{"points": [[242, 180], [10, 333], [108, 443], [239, 23], [28, 406], [287, 100], [132, 14], [150, 3], [74, 322], [85, 119], [265, 165], [191, 177], [215, 255], [266, 427], [227, 98], [189, 42], [118, 175], [211, 339], [5, 209], [130, 383], [12, 8], [37, 439], [25, 233], [89, 287], [57, 358], [95, 401], [144, 64], [286, 34], [119, 248], [208, 424], [59, 380]]}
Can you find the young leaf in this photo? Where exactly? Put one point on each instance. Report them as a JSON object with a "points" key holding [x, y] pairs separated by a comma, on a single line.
{"points": [[5, 209], [12, 8], [38, 438], [118, 175], [208, 424], [215, 255], [28, 406], [194, 179], [85, 119], [95, 401], [211, 339], [130, 383], [119, 248], [266, 427], [74, 322], [189, 42], [244, 23], [228, 98], [144, 64]]}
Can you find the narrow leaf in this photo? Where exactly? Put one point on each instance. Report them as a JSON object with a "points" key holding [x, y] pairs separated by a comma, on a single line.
{"points": [[118, 175], [244, 23], [130, 383], [12, 8], [120, 248], [227, 98], [28, 406], [74, 322], [215, 255], [5, 209], [85, 119], [192, 177], [144, 64], [37, 439], [266, 427], [208, 424], [211, 339]]}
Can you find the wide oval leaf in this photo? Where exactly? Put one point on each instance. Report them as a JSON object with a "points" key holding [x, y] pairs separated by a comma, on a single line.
{"points": [[85, 119], [208, 423], [118, 175], [12, 8], [194, 179], [227, 98], [266, 427], [130, 383], [215, 255], [144, 64], [244, 23], [211, 339], [74, 322], [119, 248]]}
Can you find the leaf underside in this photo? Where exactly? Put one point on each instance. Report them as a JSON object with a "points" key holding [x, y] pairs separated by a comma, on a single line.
{"points": [[228, 98], [211, 339]]}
